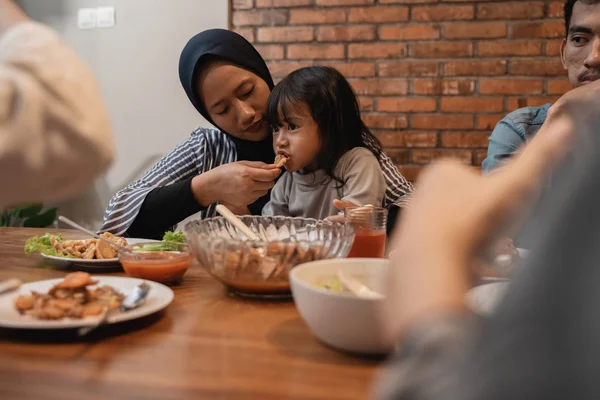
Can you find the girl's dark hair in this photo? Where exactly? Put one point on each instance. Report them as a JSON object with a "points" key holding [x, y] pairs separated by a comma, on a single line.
{"points": [[333, 106]]}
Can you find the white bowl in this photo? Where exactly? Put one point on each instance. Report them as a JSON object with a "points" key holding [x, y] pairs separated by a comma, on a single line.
{"points": [[342, 320]]}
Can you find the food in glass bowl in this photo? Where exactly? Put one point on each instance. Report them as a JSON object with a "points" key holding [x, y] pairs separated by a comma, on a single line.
{"points": [[261, 268], [164, 262]]}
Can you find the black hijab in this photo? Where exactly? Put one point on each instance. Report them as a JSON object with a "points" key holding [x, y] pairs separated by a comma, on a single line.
{"points": [[229, 46]]}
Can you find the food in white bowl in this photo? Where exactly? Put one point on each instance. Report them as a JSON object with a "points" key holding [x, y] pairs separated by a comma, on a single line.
{"points": [[334, 315], [261, 267]]}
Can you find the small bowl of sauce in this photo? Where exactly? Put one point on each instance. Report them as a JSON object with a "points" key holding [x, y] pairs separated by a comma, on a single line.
{"points": [[164, 262]]}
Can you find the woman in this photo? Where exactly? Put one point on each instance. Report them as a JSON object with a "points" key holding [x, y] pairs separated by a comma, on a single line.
{"points": [[229, 83]]}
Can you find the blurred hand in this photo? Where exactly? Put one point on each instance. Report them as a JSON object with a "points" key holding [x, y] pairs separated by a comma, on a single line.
{"points": [[456, 213], [340, 205]]}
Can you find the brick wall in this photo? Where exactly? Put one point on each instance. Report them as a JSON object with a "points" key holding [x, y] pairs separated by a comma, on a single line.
{"points": [[433, 76]]}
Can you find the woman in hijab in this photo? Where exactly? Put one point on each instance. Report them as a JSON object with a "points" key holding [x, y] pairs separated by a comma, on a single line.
{"points": [[229, 83]]}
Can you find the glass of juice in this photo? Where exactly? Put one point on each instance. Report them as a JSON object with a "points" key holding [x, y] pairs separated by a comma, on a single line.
{"points": [[369, 224]]}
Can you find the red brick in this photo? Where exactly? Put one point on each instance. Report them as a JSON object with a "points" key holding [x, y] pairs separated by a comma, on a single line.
{"points": [[475, 30], [366, 104], [248, 33], [409, 32], [304, 16], [259, 17], [556, 9], [409, 68], [346, 33], [281, 69], [559, 86], [480, 155], [270, 51], [546, 29], [442, 12], [509, 48], [510, 86], [378, 14], [465, 140], [488, 121], [379, 87], [472, 104], [410, 172], [406, 104], [443, 87], [398, 156], [511, 10], [553, 47], [520, 102], [427, 156], [242, 4], [408, 138], [405, 1], [334, 3], [375, 121], [285, 34], [376, 50], [436, 121], [441, 49], [355, 69], [315, 51], [475, 68], [283, 3], [546, 67]]}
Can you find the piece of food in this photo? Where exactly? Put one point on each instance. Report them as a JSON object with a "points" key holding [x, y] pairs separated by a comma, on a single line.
{"points": [[70, 298], [280, 160], [177, 237], [54, 245]]}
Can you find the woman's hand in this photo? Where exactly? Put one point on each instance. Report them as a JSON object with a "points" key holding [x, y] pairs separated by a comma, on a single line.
{"points": [[340, 205], [455, 214], [237, 184]]}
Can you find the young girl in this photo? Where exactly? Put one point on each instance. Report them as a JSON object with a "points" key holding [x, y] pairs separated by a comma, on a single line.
{"points": [[317, 128]]}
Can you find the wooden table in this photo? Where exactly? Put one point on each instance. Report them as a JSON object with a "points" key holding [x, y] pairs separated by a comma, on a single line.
{"points": [[206, 345]]}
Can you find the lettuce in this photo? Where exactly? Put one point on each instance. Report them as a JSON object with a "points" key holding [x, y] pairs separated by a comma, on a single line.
{"points": [[41, 244], [177, 237]]}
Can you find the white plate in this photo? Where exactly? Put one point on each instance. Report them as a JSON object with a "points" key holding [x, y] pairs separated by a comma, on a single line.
{"points": [[159, 297], [484, 299], [107, 262]]}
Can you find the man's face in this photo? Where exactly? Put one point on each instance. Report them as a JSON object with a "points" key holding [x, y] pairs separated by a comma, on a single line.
{"points": [[580, 51]]}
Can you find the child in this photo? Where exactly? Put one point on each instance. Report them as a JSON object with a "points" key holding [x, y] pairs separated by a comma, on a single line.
{"points": [[317, 128]]}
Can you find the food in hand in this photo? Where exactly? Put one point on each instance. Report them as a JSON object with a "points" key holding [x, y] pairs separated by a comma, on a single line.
{"points": [[280, 160], [70, 298], [90, 249]]}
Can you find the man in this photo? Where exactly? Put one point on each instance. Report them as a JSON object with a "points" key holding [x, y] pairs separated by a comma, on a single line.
{"points": [[580, 55], [55, 135]]}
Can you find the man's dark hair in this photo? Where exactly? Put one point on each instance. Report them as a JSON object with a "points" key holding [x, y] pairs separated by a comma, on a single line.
{"points": [[569, 4]]}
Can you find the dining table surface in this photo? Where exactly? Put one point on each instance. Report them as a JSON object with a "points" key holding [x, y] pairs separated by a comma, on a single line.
{"points": [[206, 344]]}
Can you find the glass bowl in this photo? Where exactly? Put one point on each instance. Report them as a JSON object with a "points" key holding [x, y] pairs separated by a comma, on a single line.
{"points": [[261, 268], [164, 262]]}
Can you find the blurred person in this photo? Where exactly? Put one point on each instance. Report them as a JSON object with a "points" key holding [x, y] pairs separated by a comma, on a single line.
{"points": [[580, 56], [55, 134], [543, 341]]}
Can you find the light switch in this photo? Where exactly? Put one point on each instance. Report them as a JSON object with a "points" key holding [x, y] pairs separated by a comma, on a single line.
{"points": [[86, 18], [105, 17]]}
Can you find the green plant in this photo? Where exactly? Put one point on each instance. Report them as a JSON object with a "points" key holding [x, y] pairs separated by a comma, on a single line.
{"points": [[29, 216]]}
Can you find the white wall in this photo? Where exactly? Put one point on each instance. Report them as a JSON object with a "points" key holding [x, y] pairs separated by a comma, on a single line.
{"points": [[136, 63]]}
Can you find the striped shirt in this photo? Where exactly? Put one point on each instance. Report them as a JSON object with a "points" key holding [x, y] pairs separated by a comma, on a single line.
{"points": [[205, 149]]}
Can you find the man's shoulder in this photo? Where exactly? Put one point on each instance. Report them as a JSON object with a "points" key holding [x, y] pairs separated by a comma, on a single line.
{"points": [[526, 121]]}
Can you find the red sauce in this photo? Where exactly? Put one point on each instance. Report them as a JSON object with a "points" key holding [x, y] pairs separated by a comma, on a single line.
{"points": [[160, 266], [368, 245]]}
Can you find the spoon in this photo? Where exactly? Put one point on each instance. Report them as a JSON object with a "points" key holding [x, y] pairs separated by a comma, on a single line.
{"points": [[357, 287], [235, 221], [95, 235], [135, 299], [9, 284]]}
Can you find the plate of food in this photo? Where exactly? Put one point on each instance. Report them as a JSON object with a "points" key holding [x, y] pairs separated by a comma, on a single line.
{"points": [[86, 253], [77, 300]]}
